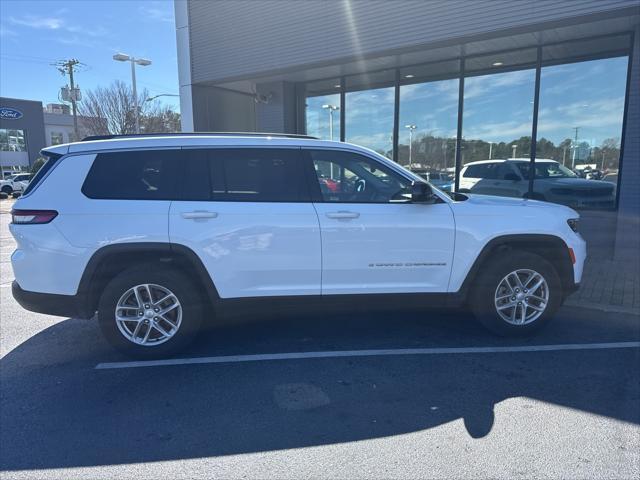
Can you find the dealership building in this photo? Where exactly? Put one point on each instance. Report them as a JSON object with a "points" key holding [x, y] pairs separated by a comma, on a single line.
{"points": [[436, 85], [26, 127]]}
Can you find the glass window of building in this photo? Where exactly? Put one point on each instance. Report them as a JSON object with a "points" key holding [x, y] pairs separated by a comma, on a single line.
{"points": [[497, 123], [57, 138], [428, 128], [579, 132], [323, 116], [369, 110], [322, 109], [12, 140]]}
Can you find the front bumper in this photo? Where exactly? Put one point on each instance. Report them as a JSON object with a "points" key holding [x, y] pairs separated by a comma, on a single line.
{"points": [[48, 303]]}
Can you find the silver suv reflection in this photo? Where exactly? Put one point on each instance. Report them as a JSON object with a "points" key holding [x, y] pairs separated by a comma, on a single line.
{"points": [[553, 182]]}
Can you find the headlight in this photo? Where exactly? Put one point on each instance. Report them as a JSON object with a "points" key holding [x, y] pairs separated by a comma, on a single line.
{"points": [[573, 224]]}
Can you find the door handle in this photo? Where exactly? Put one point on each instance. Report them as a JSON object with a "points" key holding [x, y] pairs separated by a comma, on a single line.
{"points": [[199, 214], [342, 214]]}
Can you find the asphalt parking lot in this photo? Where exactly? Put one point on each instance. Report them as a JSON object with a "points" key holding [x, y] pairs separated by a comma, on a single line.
{"points": [[410, 395]]}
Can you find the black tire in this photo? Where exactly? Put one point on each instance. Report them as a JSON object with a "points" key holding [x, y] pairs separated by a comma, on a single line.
{"points": [[483, 294], [176, 282], [7, 189]]}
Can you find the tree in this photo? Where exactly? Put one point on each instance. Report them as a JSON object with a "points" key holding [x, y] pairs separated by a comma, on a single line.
{"points": [[110, 110], [37, 165], [160, 119]]}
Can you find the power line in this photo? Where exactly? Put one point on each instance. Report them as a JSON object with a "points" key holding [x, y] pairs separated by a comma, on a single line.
{"points": [[25, 59]]}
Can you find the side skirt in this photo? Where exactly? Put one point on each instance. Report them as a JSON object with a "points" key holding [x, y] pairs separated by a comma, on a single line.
{"points": [[260, 307]]}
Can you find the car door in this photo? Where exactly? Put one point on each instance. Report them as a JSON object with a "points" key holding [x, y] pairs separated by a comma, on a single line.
{"points": [[509, 182], [247, 214], [374, 240]]}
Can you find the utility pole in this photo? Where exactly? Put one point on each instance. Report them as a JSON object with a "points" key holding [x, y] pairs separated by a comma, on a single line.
{"points": [[66, 67]]}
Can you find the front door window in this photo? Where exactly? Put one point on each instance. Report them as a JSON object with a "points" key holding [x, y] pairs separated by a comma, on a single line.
{"points": [[352, 178]]}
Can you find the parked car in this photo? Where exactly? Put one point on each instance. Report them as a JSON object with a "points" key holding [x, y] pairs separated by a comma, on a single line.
{"points": [[249, 224], [15, 183], [6, 186], [442, 180], [553, 183]]}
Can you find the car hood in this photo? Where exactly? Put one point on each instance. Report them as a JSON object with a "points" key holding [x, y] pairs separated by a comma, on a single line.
{"points": [[490, 204]]}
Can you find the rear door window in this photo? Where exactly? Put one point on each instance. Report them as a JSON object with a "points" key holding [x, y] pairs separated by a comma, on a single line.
{"points": [[134, 175], [245, 175]]}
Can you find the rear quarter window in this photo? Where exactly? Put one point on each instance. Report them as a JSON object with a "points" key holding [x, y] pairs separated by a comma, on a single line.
{"points": [[52, 159], [133, 175]]}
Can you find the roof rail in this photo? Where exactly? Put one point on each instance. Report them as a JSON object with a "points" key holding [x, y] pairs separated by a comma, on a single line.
{"points": [[197, 134]]}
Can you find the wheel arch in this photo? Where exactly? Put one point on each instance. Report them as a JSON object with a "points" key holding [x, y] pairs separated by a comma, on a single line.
{"points": [[110, 260], [550, 247]]}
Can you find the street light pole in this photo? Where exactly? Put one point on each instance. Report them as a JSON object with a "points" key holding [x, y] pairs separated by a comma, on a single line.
{"points": [[331, 109], [490, 149], [143, 62], [411, 128], [150, 99], [514, 147], [135, 96]]}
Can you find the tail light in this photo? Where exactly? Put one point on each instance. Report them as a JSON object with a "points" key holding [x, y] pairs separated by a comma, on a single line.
{"points": [[32, 217]]}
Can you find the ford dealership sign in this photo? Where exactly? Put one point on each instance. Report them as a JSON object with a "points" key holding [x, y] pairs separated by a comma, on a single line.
{"points": [[10, 113]]}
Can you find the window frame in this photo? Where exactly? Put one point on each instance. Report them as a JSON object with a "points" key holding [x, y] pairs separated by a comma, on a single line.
{"points": [[53, 134], [23, 136]]}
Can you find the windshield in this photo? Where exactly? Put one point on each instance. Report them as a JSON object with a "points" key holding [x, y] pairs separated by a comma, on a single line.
{"points": [[546, 170]]}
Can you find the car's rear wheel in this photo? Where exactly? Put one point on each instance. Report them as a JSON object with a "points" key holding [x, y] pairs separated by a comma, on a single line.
{"points": [[150, 311], [7, 189], [516, 294]]}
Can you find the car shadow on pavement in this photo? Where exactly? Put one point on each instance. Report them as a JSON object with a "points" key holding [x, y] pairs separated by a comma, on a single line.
{"points": [[58, 411]]}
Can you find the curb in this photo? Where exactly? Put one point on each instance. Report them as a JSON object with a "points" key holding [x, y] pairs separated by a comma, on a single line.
{"points": [[602, 307]]}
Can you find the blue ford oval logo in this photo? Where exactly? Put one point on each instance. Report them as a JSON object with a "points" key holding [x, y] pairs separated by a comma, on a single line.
{"points": [[10, 113]]}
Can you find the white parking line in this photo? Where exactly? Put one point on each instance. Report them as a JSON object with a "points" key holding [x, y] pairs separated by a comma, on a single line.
{"points": [[365, 353]]}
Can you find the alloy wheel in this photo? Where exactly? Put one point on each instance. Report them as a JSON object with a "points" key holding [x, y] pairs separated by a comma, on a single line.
{"points": [[148, 314], [522, 297]]}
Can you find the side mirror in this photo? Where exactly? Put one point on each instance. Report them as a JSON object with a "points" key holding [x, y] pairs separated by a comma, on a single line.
{"points": [[421, 193], [512, 176]]}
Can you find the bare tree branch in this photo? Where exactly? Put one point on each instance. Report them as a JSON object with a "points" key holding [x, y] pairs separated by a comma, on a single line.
{"points": [[110, 110]]}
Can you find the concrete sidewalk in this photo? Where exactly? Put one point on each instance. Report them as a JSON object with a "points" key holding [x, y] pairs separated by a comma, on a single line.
{"points": [[609, 285]]}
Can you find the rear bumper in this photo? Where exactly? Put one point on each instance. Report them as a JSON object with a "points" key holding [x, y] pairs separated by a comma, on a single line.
{"points": [[48, 303]]}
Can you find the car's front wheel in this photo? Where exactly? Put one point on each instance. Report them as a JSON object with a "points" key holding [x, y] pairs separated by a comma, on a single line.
{"points": [[7, 189], [516, 294], [150, 311]]}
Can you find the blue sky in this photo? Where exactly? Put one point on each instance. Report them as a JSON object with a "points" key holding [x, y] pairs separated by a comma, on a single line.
{"points": [[497, 108], [34, 34]]}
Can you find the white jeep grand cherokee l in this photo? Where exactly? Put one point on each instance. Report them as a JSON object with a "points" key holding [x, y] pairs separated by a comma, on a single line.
{"points": [[261, 218]]}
